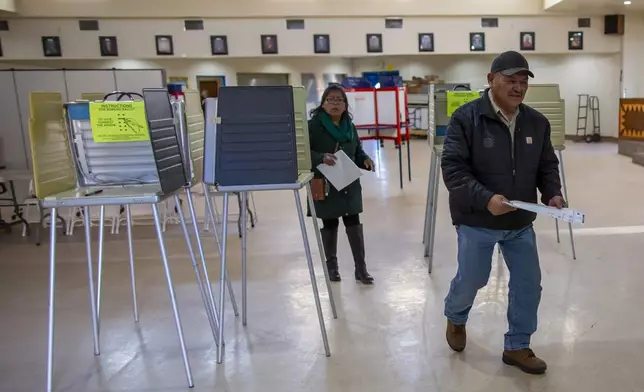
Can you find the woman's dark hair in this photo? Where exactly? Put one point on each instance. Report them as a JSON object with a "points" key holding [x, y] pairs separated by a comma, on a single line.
{"points": [[333, 87]]}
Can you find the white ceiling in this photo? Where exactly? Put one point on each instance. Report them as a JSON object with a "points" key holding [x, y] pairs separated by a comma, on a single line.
{"points": [[598, 6]]}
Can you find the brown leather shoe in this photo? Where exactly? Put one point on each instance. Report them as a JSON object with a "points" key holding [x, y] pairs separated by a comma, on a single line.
{"points": [[525, 360], [456, 336]]}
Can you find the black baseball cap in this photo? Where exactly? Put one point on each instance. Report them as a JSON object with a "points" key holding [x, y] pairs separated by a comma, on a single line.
{"points": [[511, 63]]}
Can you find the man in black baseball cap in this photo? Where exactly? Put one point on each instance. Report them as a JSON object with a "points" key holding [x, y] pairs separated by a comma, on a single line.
{"points": [[498, 149]]}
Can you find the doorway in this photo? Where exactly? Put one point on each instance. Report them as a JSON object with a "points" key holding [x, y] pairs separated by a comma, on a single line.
{"points": [[209, 85]]}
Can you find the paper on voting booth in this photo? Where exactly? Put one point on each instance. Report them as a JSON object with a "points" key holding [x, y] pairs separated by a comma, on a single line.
{"points": [[564, 214], [456, 99], [343, 173], [118, 122]]}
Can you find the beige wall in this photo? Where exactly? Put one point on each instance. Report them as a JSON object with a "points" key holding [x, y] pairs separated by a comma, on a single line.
{"points": [[549, 3], [348, 36], [8, 5], [633, 56], [278, 8], [594, 74]]}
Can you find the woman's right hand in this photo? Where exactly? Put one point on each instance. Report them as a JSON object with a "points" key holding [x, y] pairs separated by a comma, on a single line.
{"points": [[329, 159]]}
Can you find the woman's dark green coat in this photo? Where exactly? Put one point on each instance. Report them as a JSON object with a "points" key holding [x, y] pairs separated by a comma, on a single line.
{"points": [[349, 200]]}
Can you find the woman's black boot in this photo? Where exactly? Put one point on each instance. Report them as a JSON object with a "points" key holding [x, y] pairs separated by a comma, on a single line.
{"points": [[356, 241], [330, 243]]}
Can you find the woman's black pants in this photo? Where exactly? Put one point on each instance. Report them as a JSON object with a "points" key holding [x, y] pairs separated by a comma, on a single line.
{"points": [[348, 220]]}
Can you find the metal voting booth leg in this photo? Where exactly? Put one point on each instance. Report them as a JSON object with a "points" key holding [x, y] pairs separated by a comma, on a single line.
{"points": [[206, 294], [203, 283], [400, 161], [95, 298], [318, 239], [210, 210], [430, 209], [565, 190], [128, 216], [408, 155], [400, 165], [195, 226], [251, 210], [307, 250]]}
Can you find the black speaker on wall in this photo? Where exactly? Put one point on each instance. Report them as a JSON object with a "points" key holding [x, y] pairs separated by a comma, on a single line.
{"points": [[614, 24]]}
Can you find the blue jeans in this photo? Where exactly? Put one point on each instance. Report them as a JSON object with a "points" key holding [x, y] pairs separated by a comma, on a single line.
{"points": [[475, 250]]}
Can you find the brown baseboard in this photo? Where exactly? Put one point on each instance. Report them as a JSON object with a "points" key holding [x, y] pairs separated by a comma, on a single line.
{"points": [[603, 139]]}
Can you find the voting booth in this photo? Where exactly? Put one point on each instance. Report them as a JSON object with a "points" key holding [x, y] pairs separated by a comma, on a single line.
{"points": [[381, 114], [189, 120], [445, 98], [105, 153], [265, 149], [448, 97], [546, 99]]}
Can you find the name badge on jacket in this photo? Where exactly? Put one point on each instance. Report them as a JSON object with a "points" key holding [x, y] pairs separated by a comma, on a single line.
{"points": [[528, 140]]}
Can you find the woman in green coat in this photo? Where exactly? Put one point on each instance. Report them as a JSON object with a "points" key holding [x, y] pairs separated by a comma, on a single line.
{"points": [[330, 130]]}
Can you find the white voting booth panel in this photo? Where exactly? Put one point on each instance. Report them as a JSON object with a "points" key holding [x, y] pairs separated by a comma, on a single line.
{"points": [[362, 106], [381, 114], [17, 84], [392, 110], [378, 108], [387, 107]]}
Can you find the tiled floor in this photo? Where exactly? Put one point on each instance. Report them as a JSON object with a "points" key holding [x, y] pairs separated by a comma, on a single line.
{"points": [[389, 337]]}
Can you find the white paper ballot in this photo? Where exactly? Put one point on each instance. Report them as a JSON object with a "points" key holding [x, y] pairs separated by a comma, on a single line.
{"points": [[343, 173], [564, 214]]}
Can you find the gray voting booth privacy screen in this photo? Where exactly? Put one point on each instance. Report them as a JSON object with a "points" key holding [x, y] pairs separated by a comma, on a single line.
{"points": [[163, 137], [254, 139], [17, 84]]}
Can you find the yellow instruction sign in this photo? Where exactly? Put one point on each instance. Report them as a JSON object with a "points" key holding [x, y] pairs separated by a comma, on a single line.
{"points": [[456, 99], [118, 122]]}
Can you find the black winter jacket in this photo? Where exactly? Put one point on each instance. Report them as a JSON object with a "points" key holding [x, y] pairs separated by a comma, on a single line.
{"points": [[477, 162]]}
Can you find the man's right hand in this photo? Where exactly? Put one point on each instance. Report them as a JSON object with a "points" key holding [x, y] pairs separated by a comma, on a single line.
{"points": [[497, 205]]}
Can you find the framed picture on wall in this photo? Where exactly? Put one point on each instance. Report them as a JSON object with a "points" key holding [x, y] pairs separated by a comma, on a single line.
{"points": [[51, 46], [374, 43], [426, 42], [527, 40], [321, 43], [109, 46], [218, 45], [269, 44], [164, 45], [477, 42], [575, 40]]}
